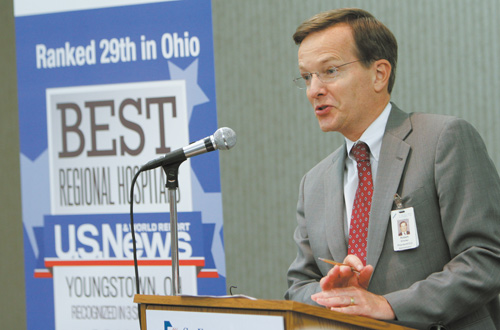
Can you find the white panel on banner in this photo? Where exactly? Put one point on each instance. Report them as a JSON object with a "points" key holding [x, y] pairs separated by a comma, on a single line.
{"points": [[92, 297], [170, 320], [96, 141], [36, 7]]}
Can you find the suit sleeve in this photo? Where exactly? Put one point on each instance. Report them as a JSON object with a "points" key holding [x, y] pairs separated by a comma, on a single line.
{"points": [[303, 274], [468, 190]]}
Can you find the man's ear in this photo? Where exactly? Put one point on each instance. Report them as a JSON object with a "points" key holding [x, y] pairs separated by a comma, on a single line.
{"points": [[382, 73]]}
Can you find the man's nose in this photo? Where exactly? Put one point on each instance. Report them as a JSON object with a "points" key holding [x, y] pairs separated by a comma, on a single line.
{"points": [[316, 87]]}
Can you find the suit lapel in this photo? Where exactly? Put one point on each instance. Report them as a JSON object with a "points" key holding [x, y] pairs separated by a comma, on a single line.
{"points": [[334, 206], [393, 156]]}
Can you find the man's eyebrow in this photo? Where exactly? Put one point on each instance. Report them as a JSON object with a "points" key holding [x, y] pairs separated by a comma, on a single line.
{"points": [[325, 61], [330, 59]]}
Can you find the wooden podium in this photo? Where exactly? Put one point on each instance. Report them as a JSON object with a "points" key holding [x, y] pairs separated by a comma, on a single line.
{"points": [[297, 316]]}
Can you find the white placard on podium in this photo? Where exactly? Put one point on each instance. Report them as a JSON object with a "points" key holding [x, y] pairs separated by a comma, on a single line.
{"points": [[170, 320]]}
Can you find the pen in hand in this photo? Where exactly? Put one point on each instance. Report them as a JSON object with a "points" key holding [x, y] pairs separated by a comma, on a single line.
{"points": [[338, 264]]}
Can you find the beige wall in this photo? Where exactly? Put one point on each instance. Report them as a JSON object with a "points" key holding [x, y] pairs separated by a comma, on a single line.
{"points": [[12, 313], [447, 64]]}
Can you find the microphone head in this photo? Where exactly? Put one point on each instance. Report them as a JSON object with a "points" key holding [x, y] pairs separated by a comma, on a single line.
{"points": [[224, 138]]}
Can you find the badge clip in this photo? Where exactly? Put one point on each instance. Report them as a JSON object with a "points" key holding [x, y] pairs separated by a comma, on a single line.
{"points": [[398, 201]]}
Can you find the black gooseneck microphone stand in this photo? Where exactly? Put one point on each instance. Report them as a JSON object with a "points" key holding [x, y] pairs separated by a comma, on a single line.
{"points": [[172, 173], [223, 139]]}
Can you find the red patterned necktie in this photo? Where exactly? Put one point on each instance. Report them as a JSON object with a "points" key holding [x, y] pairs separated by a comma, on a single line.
{"points": [[358, 231]]}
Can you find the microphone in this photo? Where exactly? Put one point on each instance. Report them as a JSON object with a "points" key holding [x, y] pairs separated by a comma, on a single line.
{"points": [[223, 139]]}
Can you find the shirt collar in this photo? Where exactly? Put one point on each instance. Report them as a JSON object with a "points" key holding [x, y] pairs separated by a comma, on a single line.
{"points": [[373, 135]]}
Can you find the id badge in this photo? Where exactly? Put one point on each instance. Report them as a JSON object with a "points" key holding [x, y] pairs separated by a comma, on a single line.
{"points": [[404, 228]]}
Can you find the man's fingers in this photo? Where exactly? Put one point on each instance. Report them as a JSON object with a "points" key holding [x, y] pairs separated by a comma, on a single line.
{"points": [[365, 276], [356, 301], [354, 261], [335, 301]]}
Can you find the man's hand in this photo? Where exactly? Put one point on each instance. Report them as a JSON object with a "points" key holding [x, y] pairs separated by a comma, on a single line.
{"points": [[343, 276], [345, 291]]}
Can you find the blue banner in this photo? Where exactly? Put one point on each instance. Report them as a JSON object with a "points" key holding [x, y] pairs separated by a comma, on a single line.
{"points": [[102, 90]]}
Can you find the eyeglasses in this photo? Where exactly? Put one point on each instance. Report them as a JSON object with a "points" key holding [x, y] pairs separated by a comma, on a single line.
{"points": [[328, 75]]}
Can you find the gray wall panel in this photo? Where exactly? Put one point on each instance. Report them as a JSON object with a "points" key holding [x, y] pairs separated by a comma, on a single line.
{"points": [[447, 64]]}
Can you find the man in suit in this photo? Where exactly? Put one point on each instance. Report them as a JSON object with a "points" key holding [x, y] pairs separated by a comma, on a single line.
{"points": [[437, 166]]}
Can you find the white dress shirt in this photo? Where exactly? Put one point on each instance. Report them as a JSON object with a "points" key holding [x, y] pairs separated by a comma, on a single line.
{"points": [[372, 136]]}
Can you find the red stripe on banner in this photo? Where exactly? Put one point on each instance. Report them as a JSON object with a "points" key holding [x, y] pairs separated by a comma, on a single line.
{"points": [[208, 274], [49, 263], [42, 273]]}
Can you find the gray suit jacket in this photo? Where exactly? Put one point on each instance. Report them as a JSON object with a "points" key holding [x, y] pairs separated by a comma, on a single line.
{"points": [[440, 167]]}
